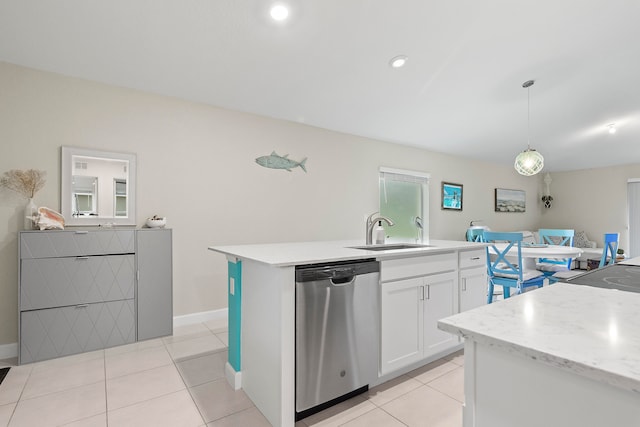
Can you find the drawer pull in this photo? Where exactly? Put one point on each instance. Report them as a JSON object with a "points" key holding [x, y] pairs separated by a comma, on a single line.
{"points": [[82, 232], [82, 258], [475, 258], [82, 306]]}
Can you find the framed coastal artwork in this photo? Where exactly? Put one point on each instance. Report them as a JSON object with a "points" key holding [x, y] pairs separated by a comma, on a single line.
{"points": [[451, 196], [510, 200]]}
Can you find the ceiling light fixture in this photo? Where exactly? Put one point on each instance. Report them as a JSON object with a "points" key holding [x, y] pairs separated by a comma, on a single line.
{"points": [[612, 128], [279, 12], [529, 162], [398, 61]]}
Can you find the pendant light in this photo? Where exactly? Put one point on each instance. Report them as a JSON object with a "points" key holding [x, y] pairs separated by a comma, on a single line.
{"points": [[529, 162]]}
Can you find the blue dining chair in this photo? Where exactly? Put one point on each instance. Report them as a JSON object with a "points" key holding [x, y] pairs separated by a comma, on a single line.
{"points": [[559, 237], [502, 271], [475, 234], [610, 251]]}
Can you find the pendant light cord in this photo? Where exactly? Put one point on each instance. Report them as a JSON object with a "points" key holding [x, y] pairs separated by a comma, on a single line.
{"points": [[529, 117]]}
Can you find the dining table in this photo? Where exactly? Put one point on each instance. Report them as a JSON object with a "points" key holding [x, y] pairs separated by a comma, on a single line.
{"points": [[532, 251]]}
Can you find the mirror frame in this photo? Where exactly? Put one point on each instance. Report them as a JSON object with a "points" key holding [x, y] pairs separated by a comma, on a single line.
{"points": [[66, 173]]}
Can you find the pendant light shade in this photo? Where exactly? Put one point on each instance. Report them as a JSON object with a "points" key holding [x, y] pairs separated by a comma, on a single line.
{"points": [[529, 162]]}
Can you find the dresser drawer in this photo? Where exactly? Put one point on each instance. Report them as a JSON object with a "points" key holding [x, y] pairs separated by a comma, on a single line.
{"points": [[56, 332], [38, 244], [474, 258], [57, 282]]}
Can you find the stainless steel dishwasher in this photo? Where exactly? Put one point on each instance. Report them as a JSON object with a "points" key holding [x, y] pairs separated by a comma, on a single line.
{"points": [[337, 330]]}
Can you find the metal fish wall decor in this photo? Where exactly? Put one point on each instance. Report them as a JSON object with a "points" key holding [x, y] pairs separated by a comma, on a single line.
{"points": [[274, 161]]}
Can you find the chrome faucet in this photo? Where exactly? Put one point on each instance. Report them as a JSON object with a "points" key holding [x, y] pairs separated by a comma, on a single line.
{"points": [[420, 228], [371, 222]]}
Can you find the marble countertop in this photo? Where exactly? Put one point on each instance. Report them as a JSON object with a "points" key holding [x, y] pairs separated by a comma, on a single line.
{"points": [[586, 330], [288, 254]]}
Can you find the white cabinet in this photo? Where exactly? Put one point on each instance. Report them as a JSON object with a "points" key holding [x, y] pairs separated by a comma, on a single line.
{"points": [[439, 300], [402, 317], [412, 306], [473, 279]]}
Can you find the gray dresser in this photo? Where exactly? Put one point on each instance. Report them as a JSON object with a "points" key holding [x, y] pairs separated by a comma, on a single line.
{"points": [[84, 290]]}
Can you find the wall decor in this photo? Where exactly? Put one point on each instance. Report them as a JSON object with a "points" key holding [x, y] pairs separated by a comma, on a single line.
{"points": [[97, 187], [510, 200], [451, 196], [547, 199], [274, 161], [27, 183]]}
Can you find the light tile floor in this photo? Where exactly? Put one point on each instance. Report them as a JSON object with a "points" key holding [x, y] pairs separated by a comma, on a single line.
{"points": [[179, 381]]}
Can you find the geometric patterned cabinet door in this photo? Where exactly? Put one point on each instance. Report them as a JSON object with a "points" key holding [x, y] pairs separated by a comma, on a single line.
{"points": [[63, 331], [57, 282], [57, 243]]}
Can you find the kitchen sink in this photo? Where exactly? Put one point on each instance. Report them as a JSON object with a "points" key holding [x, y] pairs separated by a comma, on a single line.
{"points": [[391, 246]]}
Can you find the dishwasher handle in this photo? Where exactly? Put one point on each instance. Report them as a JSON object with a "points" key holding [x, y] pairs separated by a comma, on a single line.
{"points": [[342, 281]]}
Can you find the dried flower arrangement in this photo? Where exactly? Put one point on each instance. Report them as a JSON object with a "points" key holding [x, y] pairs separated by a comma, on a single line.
{"points": [[27, 183]]}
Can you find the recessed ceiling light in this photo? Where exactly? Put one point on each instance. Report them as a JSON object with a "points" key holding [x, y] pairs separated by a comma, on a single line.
{"points": [[612, 128], [279, 12], [398, 61]]}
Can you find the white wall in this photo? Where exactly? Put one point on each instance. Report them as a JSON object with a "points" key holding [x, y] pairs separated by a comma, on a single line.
{"points": [[593, 200], [196, 166]]}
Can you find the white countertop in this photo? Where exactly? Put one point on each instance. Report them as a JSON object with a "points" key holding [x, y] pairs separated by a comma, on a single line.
{"points": [[586, 330], [288, 254]]}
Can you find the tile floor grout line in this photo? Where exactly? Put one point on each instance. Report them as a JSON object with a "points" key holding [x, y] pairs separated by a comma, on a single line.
{"points": [[186, 387], [59, 391], [393, 416], [13, 413], [106, 395], [444, 394]]}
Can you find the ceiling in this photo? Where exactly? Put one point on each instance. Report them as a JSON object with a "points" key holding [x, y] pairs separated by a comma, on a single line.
{"points": [[328, 66]]}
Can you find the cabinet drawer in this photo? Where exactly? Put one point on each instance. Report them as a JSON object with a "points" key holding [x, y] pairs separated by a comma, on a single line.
{"points": [[417, 266], [38, 244], [56, 282], [55, 332], [474, 258]]}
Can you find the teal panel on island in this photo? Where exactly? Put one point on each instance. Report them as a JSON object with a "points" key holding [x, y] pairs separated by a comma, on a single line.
{"points": [[235, 314]]}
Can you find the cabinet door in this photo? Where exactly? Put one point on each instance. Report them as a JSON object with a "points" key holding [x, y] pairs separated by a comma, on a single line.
{"points": [[473, 288], [155, 283], [438, 303], [401, 324], [58, 282], [56, 243], [56, 332]]}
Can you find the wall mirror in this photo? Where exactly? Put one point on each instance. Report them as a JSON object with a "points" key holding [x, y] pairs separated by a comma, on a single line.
{"points": [[404, 198], [98, 187]]}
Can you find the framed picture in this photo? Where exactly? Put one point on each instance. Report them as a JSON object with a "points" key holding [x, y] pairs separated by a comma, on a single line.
{"points": [[451, 196], [510, 200]]}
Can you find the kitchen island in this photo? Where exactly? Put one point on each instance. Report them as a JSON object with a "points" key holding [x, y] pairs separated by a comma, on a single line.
{"points": [[563, 355], [262, 309]]}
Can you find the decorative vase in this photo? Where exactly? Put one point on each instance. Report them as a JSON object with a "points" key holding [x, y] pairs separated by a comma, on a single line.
{"points": [[30, 211]]}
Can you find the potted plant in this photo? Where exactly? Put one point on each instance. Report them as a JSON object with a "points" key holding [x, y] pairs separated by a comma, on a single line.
{"points": [[26, 183]]}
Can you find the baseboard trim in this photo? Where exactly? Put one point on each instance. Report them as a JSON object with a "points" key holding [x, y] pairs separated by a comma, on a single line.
{"points": [[7, 351], [233, 378], [203, 316]]}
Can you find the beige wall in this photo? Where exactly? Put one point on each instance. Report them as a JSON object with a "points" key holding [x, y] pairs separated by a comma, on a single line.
{"points": [[593, 200], [196, 167]]}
